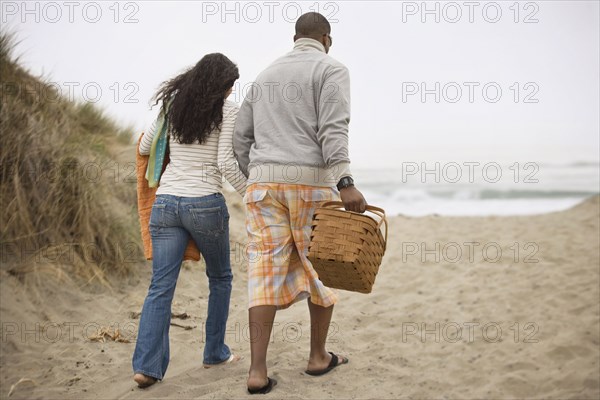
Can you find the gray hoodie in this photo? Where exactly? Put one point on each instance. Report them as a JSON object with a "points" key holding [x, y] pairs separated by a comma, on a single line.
{"points": [[293, 124]]}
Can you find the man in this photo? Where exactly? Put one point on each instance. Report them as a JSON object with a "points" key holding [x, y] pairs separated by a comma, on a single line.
{"points": [[291, 141]]}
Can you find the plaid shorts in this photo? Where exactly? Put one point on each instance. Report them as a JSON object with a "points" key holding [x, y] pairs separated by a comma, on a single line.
{"points": [[278, 221]]}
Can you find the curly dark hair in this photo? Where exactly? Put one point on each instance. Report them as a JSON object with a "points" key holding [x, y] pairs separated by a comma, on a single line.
{"points": [[196, 98]]}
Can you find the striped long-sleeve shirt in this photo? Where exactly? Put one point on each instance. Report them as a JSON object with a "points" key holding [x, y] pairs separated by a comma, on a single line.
{"points": [[197, 170]]}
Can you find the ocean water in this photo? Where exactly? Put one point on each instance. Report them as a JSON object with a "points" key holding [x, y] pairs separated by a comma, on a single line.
{"points": [[471, 189]]}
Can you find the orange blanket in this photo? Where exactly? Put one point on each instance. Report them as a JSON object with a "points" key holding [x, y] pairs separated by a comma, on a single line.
{"points": [[145, 199]]}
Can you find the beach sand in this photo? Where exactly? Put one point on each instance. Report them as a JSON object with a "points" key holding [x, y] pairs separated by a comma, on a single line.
{"points": [[520, 324]]}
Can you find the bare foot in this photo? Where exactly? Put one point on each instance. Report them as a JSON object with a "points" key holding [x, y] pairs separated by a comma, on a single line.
{"points": [[321, 364], [257, 381], [266, 388], [144, 381]]}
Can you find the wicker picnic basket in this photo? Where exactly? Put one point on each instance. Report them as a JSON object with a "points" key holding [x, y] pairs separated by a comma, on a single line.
{"points": [[346, 248]]}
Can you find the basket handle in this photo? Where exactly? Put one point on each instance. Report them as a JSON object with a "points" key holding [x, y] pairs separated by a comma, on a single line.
{"points": [[375, 210]]}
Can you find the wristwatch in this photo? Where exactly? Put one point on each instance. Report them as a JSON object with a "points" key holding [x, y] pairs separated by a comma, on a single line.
{"points": [[345, 182]]}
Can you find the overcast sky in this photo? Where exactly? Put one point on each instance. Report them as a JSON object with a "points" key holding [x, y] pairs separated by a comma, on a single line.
{"points": [[543, 56]]}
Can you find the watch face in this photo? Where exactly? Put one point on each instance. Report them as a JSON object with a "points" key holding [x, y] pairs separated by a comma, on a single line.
{"points": [[345, 182]]}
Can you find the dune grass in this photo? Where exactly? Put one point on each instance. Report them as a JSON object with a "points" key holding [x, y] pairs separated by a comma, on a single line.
{"points": [[60, 204]]}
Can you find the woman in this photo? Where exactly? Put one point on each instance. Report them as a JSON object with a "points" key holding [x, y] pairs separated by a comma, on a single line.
{"points": [[188, 204]]}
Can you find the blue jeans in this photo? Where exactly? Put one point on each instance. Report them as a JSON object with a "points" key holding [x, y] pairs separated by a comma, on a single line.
{"points": [[172, 222]]}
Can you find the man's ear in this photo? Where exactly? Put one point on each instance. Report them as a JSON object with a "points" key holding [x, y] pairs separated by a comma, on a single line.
{"points": [[324, 40]]}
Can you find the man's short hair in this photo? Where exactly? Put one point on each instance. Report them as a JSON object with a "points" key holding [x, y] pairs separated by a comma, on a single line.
{"points": [[312, 24]]}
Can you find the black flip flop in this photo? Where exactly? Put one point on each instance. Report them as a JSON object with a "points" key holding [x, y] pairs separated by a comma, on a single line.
{"points": [[265, 389], [332, 364]]}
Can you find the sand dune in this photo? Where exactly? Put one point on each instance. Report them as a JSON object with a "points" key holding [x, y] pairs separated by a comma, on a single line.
{"points": [[488, 322]]}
